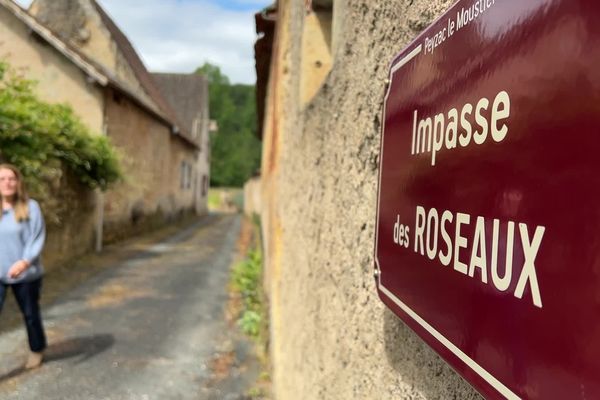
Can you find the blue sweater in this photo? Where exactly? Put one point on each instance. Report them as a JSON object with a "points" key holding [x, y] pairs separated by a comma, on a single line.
{"points": [[22, 241]]}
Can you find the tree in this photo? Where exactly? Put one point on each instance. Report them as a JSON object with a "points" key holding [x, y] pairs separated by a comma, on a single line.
{"points": [[213, 74], [235, 148]]}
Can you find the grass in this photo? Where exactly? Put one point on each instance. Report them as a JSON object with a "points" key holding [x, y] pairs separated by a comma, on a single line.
{"points": [[225, 199], [246, 280], [252, 315]]}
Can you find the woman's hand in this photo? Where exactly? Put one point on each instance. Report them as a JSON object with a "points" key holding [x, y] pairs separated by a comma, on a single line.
{"points": [[17, 269]]}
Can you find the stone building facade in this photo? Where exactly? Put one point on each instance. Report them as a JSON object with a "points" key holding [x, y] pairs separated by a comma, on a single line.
{"points": [[151, 192], [332, 338], [94, 68], [188, 93]]}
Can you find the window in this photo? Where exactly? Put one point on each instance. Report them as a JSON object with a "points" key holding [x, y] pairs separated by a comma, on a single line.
{"points": [[186, 175], [182, 175], [117, 98]]}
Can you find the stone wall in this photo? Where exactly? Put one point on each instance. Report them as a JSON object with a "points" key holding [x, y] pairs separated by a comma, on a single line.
{"points": [[202, 167], [151, 193], [71, 217], [332, 338], [252, 198]]}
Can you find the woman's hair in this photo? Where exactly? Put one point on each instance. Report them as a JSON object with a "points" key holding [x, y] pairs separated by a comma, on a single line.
{"points": [[20, 201]]}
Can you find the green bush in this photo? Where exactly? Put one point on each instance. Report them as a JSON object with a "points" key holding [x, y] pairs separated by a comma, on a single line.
{"points": [[42, 139], [250, 323]]}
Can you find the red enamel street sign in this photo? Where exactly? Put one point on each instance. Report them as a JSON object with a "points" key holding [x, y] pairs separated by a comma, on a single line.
{"points": [[488, 222]]}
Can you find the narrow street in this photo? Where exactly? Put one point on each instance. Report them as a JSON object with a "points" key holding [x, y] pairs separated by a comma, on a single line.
{"points": [[146, 328]]}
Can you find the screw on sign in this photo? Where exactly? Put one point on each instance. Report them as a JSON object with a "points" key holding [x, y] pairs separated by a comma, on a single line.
{"points": [[488, 225]]}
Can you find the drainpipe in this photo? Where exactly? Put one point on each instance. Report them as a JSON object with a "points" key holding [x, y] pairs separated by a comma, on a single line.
{"points": [[99, 194], [100, 220]]}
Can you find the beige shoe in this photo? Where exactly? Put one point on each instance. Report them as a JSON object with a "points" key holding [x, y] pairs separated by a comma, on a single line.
{"points": [[34, 360]]}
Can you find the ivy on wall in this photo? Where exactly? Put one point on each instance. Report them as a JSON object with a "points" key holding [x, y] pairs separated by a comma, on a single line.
{"points": [[42, 139]]}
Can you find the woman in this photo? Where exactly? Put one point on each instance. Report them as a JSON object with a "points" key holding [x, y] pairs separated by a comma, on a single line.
{"points": [[22, 235]]}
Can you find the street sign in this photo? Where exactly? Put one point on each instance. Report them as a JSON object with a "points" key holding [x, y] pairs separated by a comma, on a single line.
{"points": [[488, 220]]}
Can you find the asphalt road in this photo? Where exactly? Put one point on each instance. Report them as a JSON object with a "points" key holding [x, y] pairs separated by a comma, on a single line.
{"points": [[147, 328]]}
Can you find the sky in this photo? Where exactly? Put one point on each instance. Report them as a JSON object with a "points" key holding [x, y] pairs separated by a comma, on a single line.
{"points": [[180, 35]]}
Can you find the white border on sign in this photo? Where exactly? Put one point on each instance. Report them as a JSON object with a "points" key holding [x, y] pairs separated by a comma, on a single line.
{"points": [[488, 377]]}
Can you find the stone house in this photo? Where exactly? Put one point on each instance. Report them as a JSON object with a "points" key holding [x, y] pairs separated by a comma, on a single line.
{"points": [[188, 93], [164, 148], [84, 25], [322, 67]]}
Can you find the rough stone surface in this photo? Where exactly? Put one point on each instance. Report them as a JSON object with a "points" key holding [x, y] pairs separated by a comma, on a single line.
{"points": [[72, 22], [332, 336], [252, 197], [136, 204]]}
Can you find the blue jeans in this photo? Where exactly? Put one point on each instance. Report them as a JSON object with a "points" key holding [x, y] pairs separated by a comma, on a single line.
{"points": [[27, 295]]}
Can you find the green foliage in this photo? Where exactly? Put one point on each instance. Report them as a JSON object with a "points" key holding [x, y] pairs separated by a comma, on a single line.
{"points": [[235, 148], [257, 393], [42, 138], [213, 74], [250, 323], [246, 279], [225, 199], [214, 199]]}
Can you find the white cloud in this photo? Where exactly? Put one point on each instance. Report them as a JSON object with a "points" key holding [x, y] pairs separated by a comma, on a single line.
{"points": [[180, 35]]}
